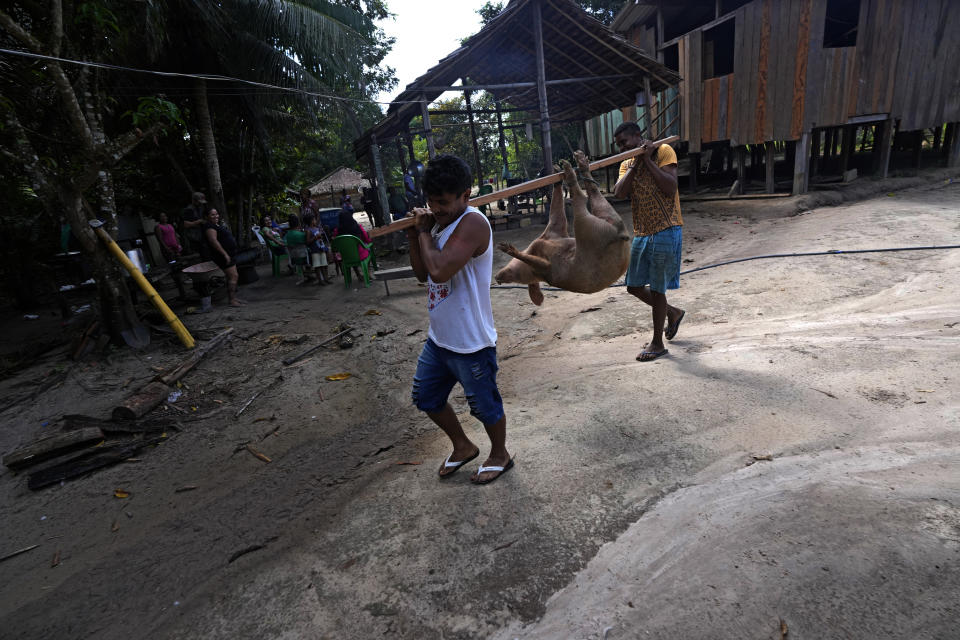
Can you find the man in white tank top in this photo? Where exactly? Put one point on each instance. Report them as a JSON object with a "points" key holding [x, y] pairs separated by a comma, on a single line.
{"points": [[451, 249]]}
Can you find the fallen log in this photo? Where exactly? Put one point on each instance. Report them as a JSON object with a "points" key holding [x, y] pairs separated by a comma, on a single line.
{"points": [[156, 391], [530, 185], [52, 446], [75, 468], [77, 421]]}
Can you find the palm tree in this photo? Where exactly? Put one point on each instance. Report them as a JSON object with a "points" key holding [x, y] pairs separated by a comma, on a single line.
{"points": [[311, 46]]}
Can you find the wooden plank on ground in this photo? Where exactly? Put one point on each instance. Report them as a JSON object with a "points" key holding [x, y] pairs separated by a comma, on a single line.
{"points": [[74, 468], [51, 446]]}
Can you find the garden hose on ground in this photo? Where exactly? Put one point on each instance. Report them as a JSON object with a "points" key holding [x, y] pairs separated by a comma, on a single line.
{"points": [[832, 252]]}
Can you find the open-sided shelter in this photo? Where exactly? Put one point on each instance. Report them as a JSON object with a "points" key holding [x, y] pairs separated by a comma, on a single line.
{"points": [[548, 57]]}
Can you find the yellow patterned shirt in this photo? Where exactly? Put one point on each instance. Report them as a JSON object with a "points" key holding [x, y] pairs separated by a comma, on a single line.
{"points": [[653, 210]]}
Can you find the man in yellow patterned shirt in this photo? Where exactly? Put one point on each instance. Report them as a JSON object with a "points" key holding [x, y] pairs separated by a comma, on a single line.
{"points": [[650, 181]]}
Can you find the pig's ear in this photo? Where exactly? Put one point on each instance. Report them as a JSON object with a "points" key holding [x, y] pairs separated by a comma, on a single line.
{"points": [[536, 296]]}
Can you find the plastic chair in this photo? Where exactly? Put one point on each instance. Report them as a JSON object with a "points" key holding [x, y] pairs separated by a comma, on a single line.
{"points": [[484, 190], [278, 252], [348, 247]]}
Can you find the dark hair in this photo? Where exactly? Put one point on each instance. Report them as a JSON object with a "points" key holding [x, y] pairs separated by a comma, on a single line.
{"points": [[307, 219], [293, 221], [447, 174], [630, 128], [264, 217], [347, 224]]}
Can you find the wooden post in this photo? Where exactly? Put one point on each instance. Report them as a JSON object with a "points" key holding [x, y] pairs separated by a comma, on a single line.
{"points": [[815, 154], [948, 134], [800, 164], [770, 163], [741, 168], [846, 149], [953, 156], [863, 138], [834, 141], [502, 140], [384, 202], [473, 137], [885, 138], [413, 160], [648, 108], [917, 148], [400, 153], [694, 171], [659, 37], [427, 129], [542, 87]]}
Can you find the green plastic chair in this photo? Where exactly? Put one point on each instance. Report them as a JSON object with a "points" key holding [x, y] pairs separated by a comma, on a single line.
{"points": [[348, 248], [278, 252], [484, 190]]}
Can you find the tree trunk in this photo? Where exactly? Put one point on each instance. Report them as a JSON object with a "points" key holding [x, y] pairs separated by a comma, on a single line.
{"points": [[209, 146]]}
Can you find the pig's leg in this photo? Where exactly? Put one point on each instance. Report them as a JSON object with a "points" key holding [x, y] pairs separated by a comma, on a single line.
{"points": [[557, 225], [536, 296], [540, 266], [598, 204], [584, 225]]}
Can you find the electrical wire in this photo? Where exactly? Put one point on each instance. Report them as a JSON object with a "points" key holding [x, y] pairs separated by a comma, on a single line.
{"points": [[201, 76], [831, 252]]}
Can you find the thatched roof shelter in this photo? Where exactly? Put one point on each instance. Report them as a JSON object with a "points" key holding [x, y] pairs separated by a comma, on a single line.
{"points": [[341, 178]]}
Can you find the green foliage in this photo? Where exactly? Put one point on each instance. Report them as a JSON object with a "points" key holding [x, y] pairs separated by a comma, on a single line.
{"points": [[603, 10], [98, 17], [489, 11], [152, 109]]}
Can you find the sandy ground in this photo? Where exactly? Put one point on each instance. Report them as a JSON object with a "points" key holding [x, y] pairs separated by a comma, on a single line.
{"points": [[637, 507]]}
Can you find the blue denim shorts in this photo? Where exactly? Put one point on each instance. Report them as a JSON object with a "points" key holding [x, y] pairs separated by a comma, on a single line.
{"points": [[439, 369], [655, 260]]}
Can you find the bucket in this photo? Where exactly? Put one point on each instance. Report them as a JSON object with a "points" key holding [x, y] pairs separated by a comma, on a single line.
{"points": [[136, 257]]}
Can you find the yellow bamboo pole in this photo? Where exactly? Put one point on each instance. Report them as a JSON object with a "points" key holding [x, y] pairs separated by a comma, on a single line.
{"points": [[145, 286]]}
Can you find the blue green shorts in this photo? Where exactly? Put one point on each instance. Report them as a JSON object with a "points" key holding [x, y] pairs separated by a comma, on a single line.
{"points": [[655, 260], [439, 369]]}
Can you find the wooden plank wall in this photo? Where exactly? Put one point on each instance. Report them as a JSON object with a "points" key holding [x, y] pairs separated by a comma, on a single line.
{"points": [[876, 60], [905, 64], [717, 108], [926, 82]]}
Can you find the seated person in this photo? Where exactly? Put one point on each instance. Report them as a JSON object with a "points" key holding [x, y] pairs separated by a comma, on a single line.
{"points": [[270, 229], [219, 245], [167, 238], [347, 225]]}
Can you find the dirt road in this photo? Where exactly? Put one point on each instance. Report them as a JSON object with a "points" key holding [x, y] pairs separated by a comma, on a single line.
{"points": [[638, 506]]}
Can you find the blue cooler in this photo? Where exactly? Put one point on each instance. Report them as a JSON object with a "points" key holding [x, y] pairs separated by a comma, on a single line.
{"points": [[330, 217]]}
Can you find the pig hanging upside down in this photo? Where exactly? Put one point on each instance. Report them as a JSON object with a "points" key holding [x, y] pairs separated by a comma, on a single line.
{"points": [[593, 260]]}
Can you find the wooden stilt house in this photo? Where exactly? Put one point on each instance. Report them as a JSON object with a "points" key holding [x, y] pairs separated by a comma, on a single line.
{"points": [[810, 79]]}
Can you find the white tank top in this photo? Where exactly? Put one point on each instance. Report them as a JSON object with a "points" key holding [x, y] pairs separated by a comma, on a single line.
{"points": [[461, 317]]}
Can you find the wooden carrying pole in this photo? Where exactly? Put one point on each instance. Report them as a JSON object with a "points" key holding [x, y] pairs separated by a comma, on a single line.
{"points": [[145, 286], [523, 187]]}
